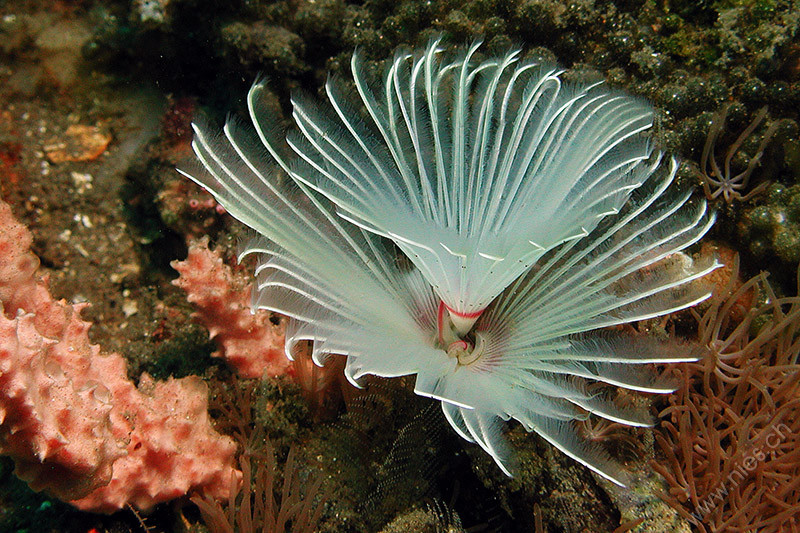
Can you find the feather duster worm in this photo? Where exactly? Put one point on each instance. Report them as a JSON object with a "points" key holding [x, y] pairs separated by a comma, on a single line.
{"points": [[531, 212]]}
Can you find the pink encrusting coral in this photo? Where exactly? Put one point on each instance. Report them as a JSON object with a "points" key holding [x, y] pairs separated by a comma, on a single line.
{"points": [[248, 341], [70, 419]]}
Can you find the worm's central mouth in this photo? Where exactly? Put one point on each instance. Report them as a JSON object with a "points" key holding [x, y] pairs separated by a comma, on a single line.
{"points": [[467, 347], [467, 352]]}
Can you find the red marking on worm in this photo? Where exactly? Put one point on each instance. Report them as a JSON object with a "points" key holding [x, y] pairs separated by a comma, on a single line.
{"points": [[461, 344], [476, 314], [440, 321]]}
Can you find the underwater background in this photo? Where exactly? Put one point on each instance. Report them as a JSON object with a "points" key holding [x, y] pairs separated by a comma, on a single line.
{"points": [[96, 103]]}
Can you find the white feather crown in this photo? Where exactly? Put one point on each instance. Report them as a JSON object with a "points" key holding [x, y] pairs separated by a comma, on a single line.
{"points": [[532, 212]]}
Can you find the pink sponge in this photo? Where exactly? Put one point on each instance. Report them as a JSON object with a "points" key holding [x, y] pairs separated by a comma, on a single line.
{"points": [[248, 341], [73, 423], [54, 413], [171, 447]]}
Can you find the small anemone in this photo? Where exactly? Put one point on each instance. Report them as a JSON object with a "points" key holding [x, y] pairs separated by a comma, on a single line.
{"points": [[532, 213]]}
